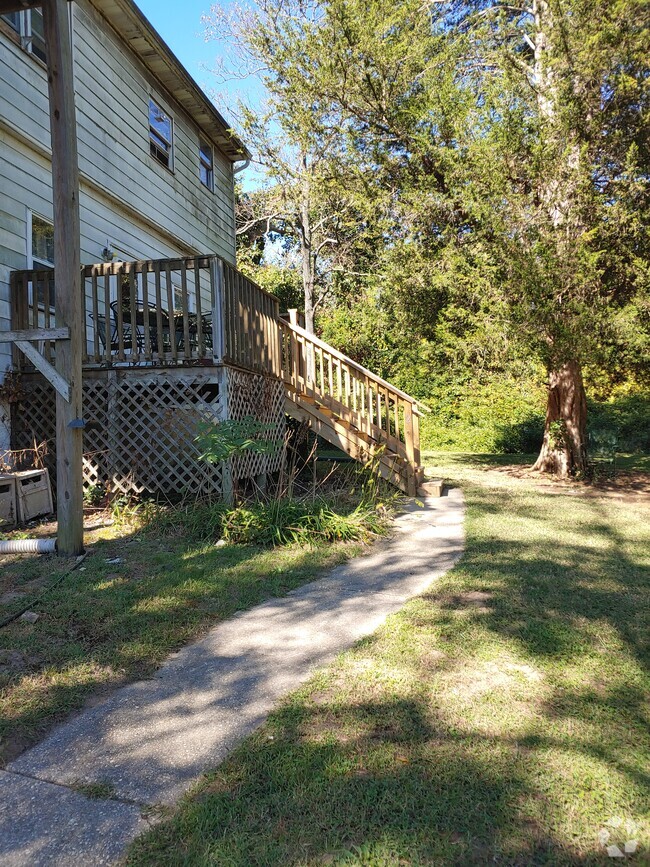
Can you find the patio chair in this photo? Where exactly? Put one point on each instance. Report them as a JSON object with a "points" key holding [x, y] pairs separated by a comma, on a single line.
{"points": [[100, 325]]}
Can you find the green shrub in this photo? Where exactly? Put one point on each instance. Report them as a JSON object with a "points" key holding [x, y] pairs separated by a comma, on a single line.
{"points": [[506, 416], [498, 416], [273, 523], [625, 417]]}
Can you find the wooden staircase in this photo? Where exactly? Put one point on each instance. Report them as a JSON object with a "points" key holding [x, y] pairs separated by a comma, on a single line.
{"points": [[351, 407]]}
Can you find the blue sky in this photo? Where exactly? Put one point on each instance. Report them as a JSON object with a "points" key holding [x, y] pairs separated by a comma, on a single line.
{"points": [[179, 24]]}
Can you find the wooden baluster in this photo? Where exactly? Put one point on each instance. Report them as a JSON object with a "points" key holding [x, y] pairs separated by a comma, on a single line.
{"points": [[144, 279], [231, 314], [241, 326], [108, 318], [200, 343], [377, 407], [187, 347], [409, 437], [95, 306], [22, 311], [169, 286], [133, 297], [121, 278], [14, 292], [416, 442], [277, 340], [266, 334], [248, 312], [38, 278], [24, 299], [253, 314], [159, 311], [241, 342], [251, 296], [367, 397], [386, 410], [257, 328], [397, 419]]}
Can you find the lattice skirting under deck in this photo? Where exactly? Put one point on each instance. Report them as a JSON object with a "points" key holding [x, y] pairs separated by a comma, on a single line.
{"points": [[261, 397], [141, 426]]}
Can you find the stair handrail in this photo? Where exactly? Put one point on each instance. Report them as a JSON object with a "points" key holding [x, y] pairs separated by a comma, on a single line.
{"points": [[354, 364]]}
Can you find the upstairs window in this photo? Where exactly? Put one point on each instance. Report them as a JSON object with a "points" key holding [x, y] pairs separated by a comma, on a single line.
{"points": [[29, 26], [160, 135], [13, 20], [206, 169], [37, 35]]}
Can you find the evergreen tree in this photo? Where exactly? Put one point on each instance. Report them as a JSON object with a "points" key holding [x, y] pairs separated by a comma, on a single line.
{"points": [[507, 149]]}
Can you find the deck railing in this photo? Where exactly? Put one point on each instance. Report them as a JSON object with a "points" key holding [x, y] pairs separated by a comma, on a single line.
{"points": [[251, 316], [163, 312], [313, 368]]}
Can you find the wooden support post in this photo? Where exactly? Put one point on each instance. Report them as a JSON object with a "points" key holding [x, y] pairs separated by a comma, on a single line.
{"points": [[409, 437], [218, 310], [65, 192]]}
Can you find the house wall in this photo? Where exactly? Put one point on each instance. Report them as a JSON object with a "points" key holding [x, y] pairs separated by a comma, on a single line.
{"points": [[128, 200]]}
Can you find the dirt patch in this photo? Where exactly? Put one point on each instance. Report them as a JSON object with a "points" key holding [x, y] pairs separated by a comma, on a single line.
{"points": [[488, 677], [629, 486], [474, 601]]}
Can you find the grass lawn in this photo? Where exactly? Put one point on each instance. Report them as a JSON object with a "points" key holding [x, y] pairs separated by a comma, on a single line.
{"points": [[109, 623], [501, 718]]}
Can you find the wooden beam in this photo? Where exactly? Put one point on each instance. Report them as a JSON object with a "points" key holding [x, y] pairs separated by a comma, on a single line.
{"points": [[68, 305], [43, 366], [35, 334]]}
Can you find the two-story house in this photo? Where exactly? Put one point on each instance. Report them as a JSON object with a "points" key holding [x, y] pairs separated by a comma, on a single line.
{"points": [[174, 335]]}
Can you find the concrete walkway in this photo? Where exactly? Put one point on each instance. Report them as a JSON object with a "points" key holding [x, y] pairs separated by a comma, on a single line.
{"points": [[149, 741]]}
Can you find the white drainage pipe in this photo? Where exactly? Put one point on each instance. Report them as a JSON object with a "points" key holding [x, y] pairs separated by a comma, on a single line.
{"points": [[28, 546]]}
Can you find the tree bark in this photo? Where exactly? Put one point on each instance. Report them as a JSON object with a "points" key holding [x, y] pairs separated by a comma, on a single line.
{"points": [[564, 451]]}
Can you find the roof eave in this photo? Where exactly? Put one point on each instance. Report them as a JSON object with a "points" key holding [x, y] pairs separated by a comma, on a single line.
{"points": [[163, 64]]}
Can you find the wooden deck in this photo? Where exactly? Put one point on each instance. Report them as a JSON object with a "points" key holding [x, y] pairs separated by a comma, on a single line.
{"points": [[203, 318], [159, 313]]}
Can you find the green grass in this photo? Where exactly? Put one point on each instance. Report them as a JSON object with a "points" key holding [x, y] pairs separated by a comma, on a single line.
{"points": [[109, 623], [501, 718]]}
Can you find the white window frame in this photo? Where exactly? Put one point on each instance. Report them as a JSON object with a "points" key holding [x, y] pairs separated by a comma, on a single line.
{"points": [[152, 144], [25, 32], [204, 145], [35, 263]]}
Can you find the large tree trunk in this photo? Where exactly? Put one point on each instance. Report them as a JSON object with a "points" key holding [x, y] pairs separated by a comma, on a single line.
{"points": [[564, 449]]}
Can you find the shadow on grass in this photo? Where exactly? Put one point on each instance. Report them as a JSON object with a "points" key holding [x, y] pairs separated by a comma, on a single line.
{"points": [[371, 783], [113, 622], [361, 770]]}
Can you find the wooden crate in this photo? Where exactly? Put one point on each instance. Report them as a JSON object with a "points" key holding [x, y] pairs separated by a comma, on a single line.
{"points": [[8, 512], [33, 494]]}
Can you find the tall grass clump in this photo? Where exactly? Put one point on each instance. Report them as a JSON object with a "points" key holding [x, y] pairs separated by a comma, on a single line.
{"points": [[298, 510], [273, 522]]}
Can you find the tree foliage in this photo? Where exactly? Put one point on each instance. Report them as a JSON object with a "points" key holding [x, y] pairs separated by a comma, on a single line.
{"points": [[496, 161]]}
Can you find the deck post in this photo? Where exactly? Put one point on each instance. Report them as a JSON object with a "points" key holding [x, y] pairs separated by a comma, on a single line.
{"points": [[218, 314], [69, 314]]}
